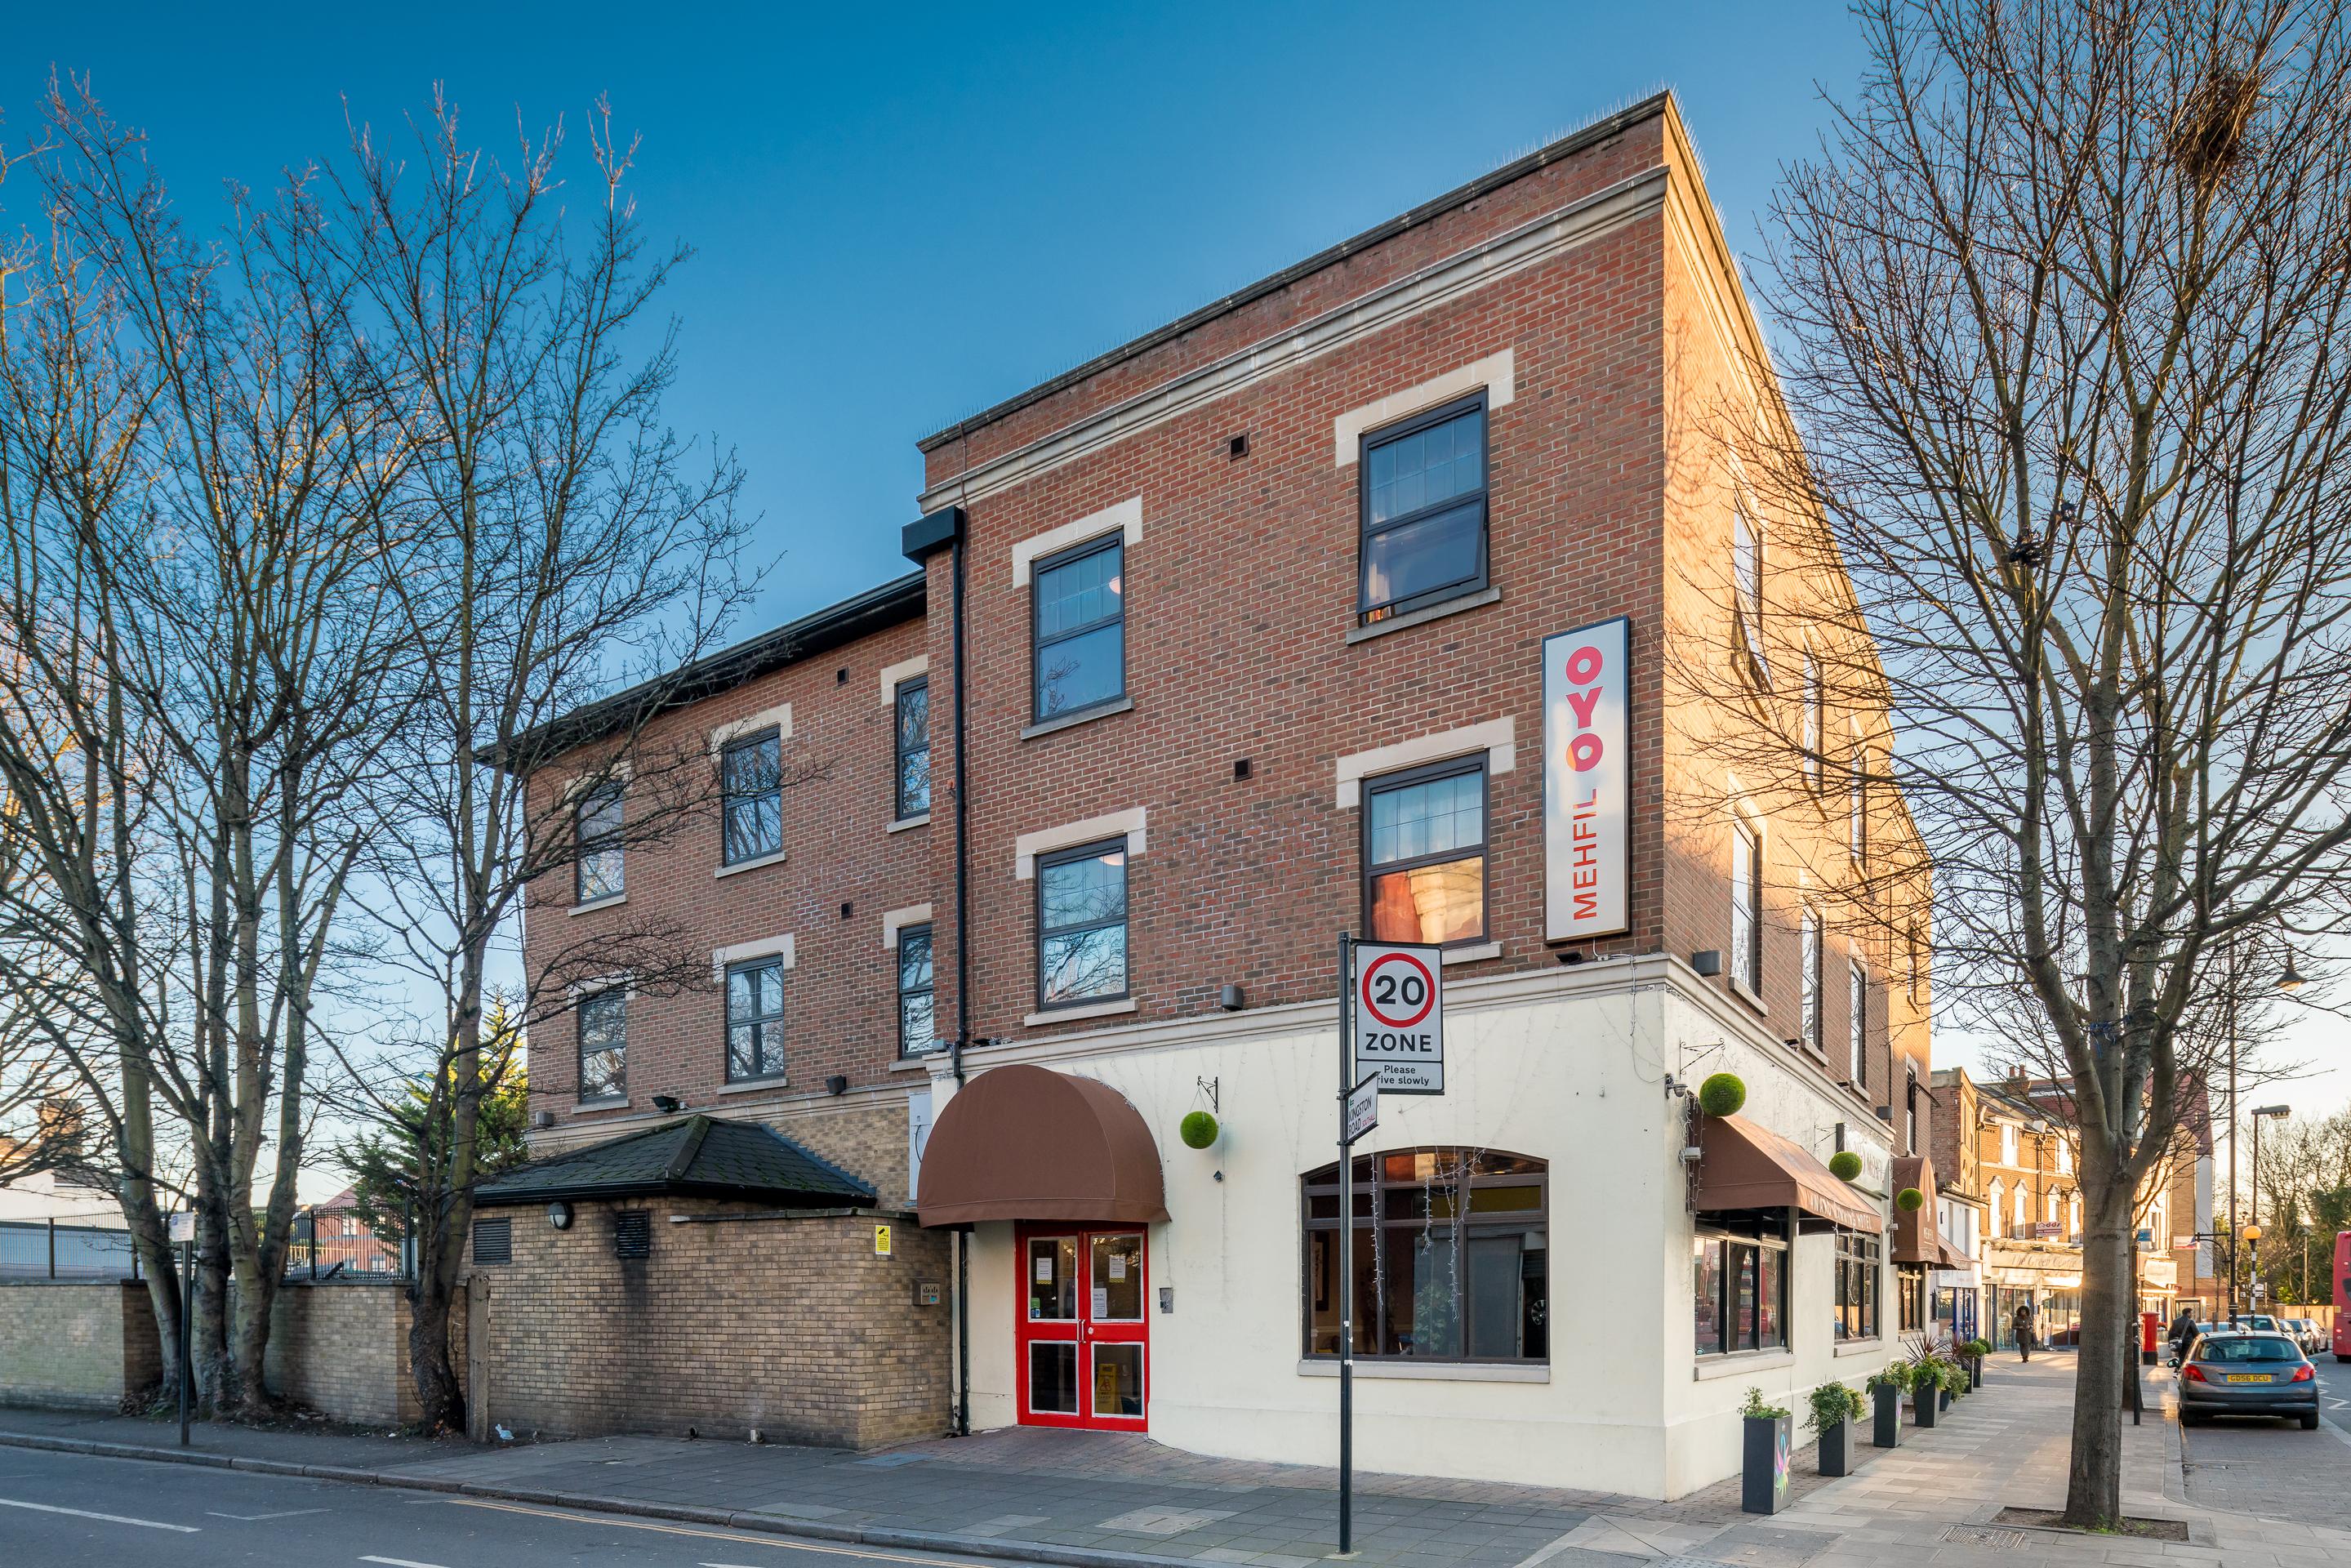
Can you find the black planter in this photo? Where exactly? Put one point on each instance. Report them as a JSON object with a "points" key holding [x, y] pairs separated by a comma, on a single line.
{"points": [[1886, 1424], [1926, 1403], [1836, 1449], [1764, 1464], [1975, 1372], [1943, 1400]]}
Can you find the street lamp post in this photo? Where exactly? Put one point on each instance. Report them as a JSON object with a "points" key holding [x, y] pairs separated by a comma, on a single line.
{"points": [[2254, 1230]]}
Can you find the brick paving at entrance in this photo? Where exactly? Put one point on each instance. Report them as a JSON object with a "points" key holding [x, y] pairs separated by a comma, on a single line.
{"points": [[1108, 1498]]}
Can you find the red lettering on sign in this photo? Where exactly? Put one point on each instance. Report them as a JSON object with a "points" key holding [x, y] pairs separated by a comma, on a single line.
{"points": [[1582, 706], [1583, 752], [1583, 665]]}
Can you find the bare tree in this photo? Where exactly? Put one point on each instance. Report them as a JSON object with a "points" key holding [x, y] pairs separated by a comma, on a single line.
{"points": [[553, 539], [2063, 306]]}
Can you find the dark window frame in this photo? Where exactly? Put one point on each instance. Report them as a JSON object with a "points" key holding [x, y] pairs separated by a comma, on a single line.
{"points": [[1061, 857], [1746, 901], [1813, 979], [1750, 1237], [729, 798], [1101, 544], [619, 997], [763, 1025], [1371, 1213], [1860, 1271], [1477, 762], [1370, 614], [901, 752], [588, 847], [921, 931]]}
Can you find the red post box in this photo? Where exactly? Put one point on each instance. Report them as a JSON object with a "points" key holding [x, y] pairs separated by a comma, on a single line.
{"points": [[2150, 1328]]}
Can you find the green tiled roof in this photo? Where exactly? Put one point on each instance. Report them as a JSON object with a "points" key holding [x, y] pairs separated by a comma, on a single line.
{"points": [[697, 1157]]}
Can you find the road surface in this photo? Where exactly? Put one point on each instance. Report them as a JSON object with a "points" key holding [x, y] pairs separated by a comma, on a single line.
{"points": [[70, 1510], [2273, 1467]]}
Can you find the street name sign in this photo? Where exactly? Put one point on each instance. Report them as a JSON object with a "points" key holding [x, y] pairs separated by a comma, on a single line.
{"points": [[1400, 1017], [1362, 1111]]}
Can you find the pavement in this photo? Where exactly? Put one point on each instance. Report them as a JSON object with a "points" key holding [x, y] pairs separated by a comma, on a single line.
{"points": [[1120, 1500]]}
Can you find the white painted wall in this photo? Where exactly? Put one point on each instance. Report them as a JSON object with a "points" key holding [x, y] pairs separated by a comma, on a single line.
{"points": [[1566, 1066]]}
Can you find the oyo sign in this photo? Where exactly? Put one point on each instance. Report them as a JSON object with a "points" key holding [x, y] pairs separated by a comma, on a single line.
{"points": [[1587, 782], [1400, 1017]]}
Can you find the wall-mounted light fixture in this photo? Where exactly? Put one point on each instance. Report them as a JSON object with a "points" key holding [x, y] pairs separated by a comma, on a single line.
{"points": [[559, 1215]]}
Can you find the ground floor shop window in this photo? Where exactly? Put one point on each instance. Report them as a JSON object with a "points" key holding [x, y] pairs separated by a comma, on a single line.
{"points": [[1451, 1257], [1910, 1292], [1739, 1283], [1859, 1258]]}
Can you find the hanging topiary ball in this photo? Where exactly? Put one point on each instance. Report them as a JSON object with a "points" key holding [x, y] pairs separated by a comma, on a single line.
{"points": [[1909, 1200], [1844, 1165], [1721, 1095], [1199, 1130]]}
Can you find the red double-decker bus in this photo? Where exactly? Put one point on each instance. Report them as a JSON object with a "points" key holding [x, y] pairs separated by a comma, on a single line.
{"points": [[2341, 1293]]}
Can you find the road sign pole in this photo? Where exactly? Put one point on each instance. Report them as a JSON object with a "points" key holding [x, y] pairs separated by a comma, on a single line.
{"points": [[1346, 1251]]}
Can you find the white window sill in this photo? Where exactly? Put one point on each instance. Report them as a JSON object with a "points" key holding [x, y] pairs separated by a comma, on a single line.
{"points": [[1739, 989], [916, 1063], [1744, 1363], [753, 1085], [1425, 615], [741, 866], [1066, 1015], [1047, 726], [902, 823], [1472, 953], [608, 1102], [595, 903], [1432, 1371], [1859, 1346]]}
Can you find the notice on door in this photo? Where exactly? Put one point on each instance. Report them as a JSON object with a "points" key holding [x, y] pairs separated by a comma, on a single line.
{"points": [[1400, 1017]]}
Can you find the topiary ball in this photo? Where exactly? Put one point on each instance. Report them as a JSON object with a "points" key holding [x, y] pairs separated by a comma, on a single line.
{"points": [[1721, 1095], [1844, 1165], [1909, 1200], [1199, 1130]]}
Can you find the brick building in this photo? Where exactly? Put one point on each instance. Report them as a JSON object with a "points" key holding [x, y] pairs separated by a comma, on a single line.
{"points": [[2011, 1147], [1391, 595]]}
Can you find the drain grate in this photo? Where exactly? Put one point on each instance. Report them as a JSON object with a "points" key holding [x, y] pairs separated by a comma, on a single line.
{"points": [[1986, 1536]]}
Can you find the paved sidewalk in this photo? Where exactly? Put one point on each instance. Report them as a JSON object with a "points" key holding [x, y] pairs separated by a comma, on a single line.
{"points": [[1100, 1500]]}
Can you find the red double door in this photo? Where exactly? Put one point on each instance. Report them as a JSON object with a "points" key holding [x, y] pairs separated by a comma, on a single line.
{"points": [[1083, 1330]]}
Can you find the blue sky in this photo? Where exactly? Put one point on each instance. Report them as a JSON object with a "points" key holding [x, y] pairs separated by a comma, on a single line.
{"points": [[902, 215]]}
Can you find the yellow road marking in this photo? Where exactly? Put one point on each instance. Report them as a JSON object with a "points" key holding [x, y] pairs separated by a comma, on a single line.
{"points": [[707, 1534]]}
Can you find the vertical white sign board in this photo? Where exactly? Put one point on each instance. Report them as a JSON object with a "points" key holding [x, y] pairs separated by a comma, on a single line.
{"points": [[1587, 782]]}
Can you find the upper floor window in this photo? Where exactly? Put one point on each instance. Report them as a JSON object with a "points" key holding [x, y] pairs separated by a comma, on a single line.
{"points": [[1081, 925], [913, 708], [2007, 1144], [2022, 1213], [1746, 906], [1079, 635], [603, 1023], [755, 1020], [1747, 594], [1451, 1252], [1813, 736], [1425, 854], [596, 830], [1814, 982], [1995, 1195], [1857, 1021], [2064, 1155], [751, 790], [1857, 805], [1910, 1106], [1422, 505], [917, 1019]]}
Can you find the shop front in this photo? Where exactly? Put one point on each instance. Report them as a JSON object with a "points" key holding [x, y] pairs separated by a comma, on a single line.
{"points": [[1560, 1274]]}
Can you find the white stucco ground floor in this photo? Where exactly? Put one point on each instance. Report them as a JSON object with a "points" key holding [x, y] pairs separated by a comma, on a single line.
{"points": [[1548, 1287]]}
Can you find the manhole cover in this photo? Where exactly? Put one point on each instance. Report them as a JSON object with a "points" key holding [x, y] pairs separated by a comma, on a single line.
{"points": [[1986, 1536]]}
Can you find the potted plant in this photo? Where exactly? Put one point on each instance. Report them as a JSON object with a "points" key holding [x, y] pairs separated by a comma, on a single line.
{"points": [[1834, 1410], [1886, 1387], [1978, 1349], [1926, 1388], [1955, 1382], [1763, 1455]]}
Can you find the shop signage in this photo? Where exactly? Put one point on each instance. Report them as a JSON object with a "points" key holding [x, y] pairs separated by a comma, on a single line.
{"points": [[1587, 782], [1362, 1111], [1400, 1017]]}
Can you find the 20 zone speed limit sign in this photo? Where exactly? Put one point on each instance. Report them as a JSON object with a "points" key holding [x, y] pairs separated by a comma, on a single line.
{"points": [[1400, 1017]]}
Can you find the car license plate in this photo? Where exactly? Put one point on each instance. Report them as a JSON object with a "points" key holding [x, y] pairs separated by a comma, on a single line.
{"points": [[2248, 1377]]}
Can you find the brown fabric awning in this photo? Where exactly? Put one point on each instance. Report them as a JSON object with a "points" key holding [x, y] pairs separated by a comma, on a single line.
{"points": [[1746, 1167], [1023, 1143], [1917, 1239], [1946, 1258]]}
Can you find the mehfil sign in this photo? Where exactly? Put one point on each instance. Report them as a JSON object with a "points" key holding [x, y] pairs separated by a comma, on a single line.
{"points": [[1587, 782]]}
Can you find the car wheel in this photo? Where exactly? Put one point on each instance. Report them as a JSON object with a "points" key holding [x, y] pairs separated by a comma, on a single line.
{"points": [[2310, 1420]]}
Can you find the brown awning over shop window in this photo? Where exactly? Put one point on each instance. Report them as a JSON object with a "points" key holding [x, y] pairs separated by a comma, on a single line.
{"points": [[1747, 1166], [1916, 1240], [1023, 1143]]}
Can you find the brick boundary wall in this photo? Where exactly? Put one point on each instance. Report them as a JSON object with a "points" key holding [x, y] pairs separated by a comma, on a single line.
{"points": [[738, 1318], [340, 1347], [77, 1344]]}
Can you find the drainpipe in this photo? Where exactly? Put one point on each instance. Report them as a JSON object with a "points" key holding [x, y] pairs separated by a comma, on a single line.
{"points": [[923, 539]]}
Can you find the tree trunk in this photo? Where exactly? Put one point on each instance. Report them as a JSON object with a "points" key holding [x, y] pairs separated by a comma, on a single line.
{"points": [[2093, 1474], [439, 1394]]}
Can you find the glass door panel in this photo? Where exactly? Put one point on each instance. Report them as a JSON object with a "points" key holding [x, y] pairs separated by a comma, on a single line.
{"points": [[1117, 1279], [1052, 1279], [1118, 1380], [1053, 1377]]}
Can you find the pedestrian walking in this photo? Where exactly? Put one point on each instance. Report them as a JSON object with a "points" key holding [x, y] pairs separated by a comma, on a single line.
{"points": [[2183, 1329], [2023, 1322]]}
